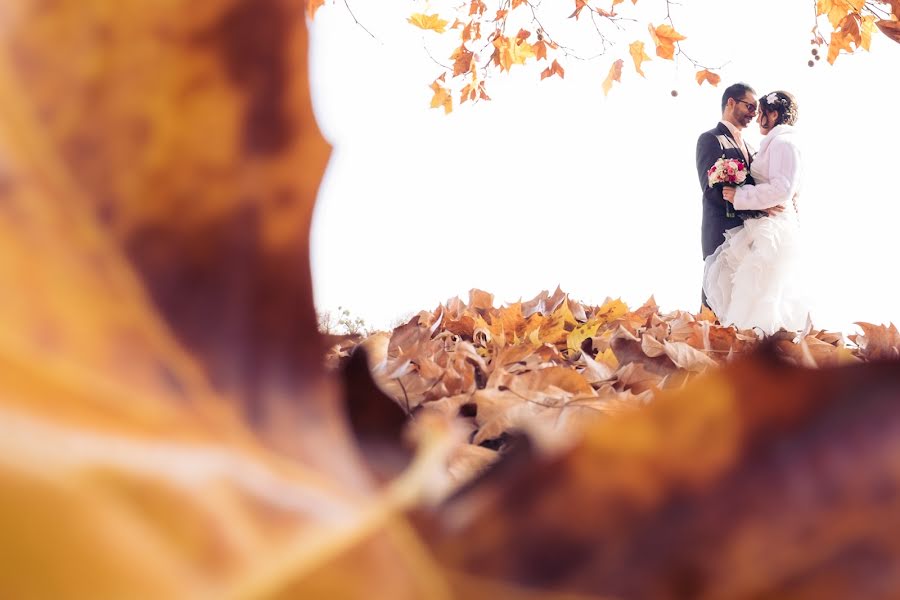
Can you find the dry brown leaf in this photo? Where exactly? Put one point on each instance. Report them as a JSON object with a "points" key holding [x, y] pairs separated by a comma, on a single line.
{"points": [[890, 28], [721, 486], [687, 357]]}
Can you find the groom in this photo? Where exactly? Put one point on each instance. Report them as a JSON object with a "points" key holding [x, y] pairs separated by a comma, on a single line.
{"points": [[738, 110]]}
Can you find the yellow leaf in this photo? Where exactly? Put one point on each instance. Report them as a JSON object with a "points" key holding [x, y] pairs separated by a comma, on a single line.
{"points": [[638, 55], [441, 97], [665, 38], [867, 28], [502, 56], [432, 22], [581, 333], [839, 42], [708, 76], [615, 74], [555, 328], [837, 10], [608, 358], [610, 311], [520, 52]]}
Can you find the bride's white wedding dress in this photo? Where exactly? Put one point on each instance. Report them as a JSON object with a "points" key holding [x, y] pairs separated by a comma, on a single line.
{"points": [[754, 279]]}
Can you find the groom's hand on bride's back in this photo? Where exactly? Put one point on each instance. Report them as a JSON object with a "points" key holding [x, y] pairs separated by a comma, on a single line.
{"points": [[774, 210]]}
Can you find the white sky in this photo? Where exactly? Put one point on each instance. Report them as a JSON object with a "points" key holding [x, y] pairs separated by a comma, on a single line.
{"points": [[552, 184]]}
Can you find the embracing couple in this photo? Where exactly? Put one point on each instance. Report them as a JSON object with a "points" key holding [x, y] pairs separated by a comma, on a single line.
{"points": [[751, 232]]}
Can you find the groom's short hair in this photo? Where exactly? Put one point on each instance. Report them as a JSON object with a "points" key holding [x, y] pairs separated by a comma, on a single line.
{"points": [[736, 91]]}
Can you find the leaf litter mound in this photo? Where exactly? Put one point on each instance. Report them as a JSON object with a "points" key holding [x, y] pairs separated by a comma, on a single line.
{"points": [[553, 366]]}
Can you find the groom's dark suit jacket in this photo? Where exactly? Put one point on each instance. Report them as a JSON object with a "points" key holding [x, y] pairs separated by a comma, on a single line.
{"points": [[711, 146]]}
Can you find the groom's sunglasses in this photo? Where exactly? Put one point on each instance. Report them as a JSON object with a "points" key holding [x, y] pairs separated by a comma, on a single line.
{"points": [[750, 106]]}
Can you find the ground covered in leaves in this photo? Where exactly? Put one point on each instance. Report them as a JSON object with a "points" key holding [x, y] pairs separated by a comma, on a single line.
{"points": [[551, 366]]}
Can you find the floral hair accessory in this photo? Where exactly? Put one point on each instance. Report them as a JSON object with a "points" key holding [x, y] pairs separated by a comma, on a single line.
{"points": [[772, 99]]}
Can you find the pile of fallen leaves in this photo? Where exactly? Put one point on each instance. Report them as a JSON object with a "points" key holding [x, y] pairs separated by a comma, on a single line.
{"points": [[551, 366], [167, 428]]}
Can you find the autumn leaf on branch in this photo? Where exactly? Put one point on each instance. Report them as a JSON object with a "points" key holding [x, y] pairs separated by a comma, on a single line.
{"points": [[473, 91], [553, 69], [432, 22], [579, 6], [837, 10], [615, 74], [463, 60], [638, 55], [441, 96], [852, 22], [708, 76], [521, 51], [867, 28], [665, 37]]}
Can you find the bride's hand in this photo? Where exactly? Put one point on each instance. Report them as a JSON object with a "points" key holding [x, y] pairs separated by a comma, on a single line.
{"points": [[728, 193]]}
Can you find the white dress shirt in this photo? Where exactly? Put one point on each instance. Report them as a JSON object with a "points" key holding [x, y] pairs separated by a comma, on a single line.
{"points": [[736, 134]]}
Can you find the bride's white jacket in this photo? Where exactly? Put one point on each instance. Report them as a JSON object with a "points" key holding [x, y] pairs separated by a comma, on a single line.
{"points": [[776, 170]]}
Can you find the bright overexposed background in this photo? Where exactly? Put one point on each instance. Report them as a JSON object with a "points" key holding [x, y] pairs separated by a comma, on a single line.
{"points": [[551, 183]]}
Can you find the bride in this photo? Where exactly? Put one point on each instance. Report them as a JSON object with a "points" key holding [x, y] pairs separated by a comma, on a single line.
{"points": [[752, 279]]}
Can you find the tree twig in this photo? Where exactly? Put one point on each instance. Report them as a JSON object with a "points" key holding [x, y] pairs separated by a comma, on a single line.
{"points": [[349, 10]]}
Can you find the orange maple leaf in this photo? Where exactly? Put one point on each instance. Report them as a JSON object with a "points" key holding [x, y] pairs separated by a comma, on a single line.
{"points": [[441, 96], [472, 31], [838, 9], [467, 93], [615, 74], [665, 38], [579, 6], [638, 55], [839, 41], [516, 3], [540, 49], [477, 7], [463, 58], [709, 77], [554, 69], [432, 22]]}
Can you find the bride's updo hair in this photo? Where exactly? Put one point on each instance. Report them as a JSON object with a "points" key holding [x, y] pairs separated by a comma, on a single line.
{"points": [[783, 103]]}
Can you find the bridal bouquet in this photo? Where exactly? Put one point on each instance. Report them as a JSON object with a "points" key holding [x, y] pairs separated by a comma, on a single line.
{"points": [[727, 171]]}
